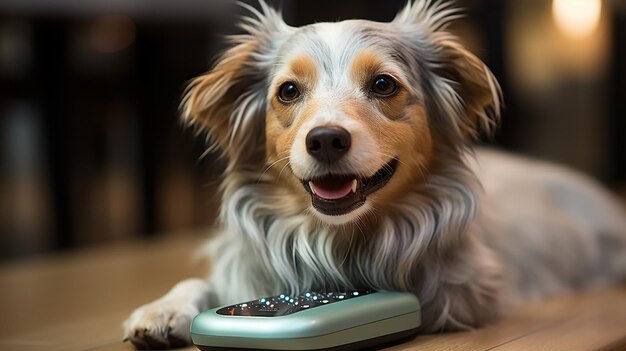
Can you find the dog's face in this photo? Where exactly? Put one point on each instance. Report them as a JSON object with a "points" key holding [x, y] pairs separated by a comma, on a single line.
{"points": [[348, 115]]}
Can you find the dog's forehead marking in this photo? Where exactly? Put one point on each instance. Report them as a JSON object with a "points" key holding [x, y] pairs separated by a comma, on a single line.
{"points": [[332, 46], [304, 66], [335, 48], [365, 64], [344, 41]]}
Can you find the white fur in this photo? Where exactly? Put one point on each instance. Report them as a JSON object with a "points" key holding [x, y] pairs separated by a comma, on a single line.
{"points": [[478, 235]]}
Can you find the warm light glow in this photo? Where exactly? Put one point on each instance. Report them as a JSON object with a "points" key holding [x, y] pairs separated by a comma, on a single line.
{"points": [[576, 18]]}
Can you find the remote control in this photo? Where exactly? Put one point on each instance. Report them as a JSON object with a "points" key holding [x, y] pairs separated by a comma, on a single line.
{"points": [[311, 321]]}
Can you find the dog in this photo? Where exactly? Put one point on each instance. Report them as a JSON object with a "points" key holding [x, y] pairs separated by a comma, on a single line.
{"points": [[350, 165]]}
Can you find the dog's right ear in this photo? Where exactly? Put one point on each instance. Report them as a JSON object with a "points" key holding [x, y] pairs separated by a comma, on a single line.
{"points": [[228, 102]]}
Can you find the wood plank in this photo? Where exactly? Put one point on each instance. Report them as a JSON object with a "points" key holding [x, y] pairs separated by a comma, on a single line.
{"points": [[522, 321], [596, 320], [79, 300]]}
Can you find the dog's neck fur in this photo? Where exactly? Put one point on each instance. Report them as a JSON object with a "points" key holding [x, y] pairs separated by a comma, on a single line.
{"points": [[274, 243]]}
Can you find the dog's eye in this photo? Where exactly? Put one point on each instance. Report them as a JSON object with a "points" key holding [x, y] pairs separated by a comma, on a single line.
{"points": [[384, 86], [288, 92]]}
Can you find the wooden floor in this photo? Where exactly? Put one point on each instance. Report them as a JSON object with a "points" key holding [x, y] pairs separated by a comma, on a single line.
{"points": [[78, 300]]}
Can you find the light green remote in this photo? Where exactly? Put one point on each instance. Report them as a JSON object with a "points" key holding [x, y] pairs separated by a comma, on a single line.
{"points": [[311, 321]]}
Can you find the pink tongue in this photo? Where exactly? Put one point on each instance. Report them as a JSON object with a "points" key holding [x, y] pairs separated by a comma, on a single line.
{"points": [[331, 193]]}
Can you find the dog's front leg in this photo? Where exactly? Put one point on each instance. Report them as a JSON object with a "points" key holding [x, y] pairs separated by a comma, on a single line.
{"points": [[165, 322]]}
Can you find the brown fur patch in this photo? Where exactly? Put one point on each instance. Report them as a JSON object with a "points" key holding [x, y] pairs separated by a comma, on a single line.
{"points": [[365, 66], [304, 69], [394, 107], [414, 146]]}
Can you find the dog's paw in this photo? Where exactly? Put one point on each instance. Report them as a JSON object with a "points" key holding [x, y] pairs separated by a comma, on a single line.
{"points": [[160, 325]]}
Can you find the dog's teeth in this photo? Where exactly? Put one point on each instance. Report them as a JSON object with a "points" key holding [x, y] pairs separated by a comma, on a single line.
{"points": [[312, 188], [354, 185]]}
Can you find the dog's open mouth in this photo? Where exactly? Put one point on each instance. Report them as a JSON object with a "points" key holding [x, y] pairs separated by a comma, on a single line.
{"points": [[336, 195]]}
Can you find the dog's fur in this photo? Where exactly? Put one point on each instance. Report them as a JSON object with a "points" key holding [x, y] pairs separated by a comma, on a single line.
{"points": [[470, 232]]}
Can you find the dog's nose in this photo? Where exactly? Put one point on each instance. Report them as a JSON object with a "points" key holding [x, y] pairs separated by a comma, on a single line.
{"points": [[328, 143]]}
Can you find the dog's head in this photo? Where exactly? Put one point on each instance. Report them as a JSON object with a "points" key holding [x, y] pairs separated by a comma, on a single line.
{"points": [[347, 115]]}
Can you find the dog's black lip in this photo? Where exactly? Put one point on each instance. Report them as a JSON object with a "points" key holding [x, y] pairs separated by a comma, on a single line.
{"points": [[380, 178], [356, 199]]}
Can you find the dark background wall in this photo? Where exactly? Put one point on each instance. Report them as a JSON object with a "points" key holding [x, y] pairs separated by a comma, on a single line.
{"points": [[92, 150]]}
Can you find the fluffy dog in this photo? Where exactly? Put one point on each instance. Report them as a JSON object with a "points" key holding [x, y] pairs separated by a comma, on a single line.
{"points": [[350, 166]]}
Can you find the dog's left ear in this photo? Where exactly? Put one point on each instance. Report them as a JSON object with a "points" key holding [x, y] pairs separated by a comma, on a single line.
{"points": [[463, 92], [473, 93]]}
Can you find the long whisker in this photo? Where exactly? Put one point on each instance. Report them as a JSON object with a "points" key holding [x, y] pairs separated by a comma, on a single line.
{"points": [[345, 257], [390, 157], [359, 223], [283, 169], [272, 165]]}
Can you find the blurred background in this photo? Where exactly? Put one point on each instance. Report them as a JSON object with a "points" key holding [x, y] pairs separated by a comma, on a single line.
{"points": [[91, 149]]}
